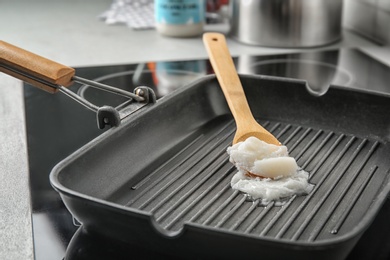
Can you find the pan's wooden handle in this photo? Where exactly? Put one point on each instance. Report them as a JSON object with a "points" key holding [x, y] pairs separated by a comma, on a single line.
{"points": [[34, 69]]}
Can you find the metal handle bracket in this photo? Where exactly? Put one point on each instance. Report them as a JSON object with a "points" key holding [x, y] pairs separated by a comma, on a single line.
{"points": [[107, 115]]}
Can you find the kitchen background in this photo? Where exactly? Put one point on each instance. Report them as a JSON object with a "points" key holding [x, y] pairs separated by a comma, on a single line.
{"points": [[71, 33], [370, 18]]}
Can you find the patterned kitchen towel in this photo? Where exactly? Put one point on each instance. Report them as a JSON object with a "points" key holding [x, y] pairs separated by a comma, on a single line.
{"points": [[137, 14]]}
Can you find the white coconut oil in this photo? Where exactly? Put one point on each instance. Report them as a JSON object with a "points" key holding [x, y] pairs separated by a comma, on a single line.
{"points": [[281, 176]]}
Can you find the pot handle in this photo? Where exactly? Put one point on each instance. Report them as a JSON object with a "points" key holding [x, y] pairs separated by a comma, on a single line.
{"points": [[34, 69]]}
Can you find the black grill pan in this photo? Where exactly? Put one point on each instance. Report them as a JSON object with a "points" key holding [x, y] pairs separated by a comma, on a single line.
{"points": [[162, 179]]}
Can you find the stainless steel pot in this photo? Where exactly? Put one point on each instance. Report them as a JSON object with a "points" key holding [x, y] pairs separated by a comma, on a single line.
{"points": [[286, 23]]}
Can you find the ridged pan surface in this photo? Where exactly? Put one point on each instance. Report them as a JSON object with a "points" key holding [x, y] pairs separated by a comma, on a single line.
{"points": [[194, 186], [340, 139]]}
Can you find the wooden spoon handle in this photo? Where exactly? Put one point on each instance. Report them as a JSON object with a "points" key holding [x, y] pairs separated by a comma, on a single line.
{"points": [[228, 79], [34, 69], [230, 83]]}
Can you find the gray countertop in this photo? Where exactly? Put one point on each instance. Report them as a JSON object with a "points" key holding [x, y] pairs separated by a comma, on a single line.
{"points": [[15, 212], [69, 32]]}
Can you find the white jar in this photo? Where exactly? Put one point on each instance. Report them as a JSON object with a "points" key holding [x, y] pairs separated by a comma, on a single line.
{"points": [[180, 18]]}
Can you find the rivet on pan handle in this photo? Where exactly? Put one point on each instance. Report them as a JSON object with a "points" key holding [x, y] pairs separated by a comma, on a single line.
{"points": [[52, 77]]}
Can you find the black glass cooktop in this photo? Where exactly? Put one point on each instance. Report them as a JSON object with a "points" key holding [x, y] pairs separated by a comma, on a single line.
{"points": [[57, 126]]}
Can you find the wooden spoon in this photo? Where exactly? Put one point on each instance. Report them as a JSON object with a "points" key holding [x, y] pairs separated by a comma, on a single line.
{"points": [[230, 83]]}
